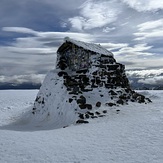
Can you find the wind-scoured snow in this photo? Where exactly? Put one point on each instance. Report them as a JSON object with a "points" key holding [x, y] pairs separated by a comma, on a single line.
{"points": [[132, 135], [90, 46]]}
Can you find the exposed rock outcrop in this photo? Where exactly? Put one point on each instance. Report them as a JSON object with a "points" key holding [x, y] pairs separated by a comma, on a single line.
{"points": [[79, 95]]}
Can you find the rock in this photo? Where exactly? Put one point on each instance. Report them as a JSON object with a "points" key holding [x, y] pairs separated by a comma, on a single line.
{"points": [[87, 90], [104, 111], [141, 99], [87, 116], [92, 114], [98, 113], [123, 97], [110, 104], [112, 93], [98, 104], [89, 106], [101, 115], [82, 106], [82, 71], [81, 100], [62, 73], [94, 73], [81, 116], [120, 101], [135, 95], [70, 100], [117, 110], [94, 117], [34, 109], [148, 100], [81, 121], [132, 100]]}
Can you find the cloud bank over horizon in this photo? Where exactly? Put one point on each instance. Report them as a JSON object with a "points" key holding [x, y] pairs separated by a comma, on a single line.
{"points": [[31, 31]]}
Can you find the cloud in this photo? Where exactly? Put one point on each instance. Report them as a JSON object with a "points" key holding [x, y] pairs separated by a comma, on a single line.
{"points": [[151, 25], [144, 5], [145, 73], [150, 29], [136, 50], [114, 46], [142, 63], [19, 30], [38, 43], [150, 76], [48, 35], [95, 14], [108, 29], [152, 81]]}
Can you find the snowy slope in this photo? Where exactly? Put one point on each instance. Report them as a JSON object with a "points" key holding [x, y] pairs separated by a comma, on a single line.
{"points": [[13, 103], [132, 135], [55, 109]]}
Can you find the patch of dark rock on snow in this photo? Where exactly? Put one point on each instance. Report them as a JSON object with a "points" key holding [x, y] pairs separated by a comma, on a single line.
{"points": [[110, 104], [104, 111], [120, 101], [98, 104], [81, 121], [89, 106]]}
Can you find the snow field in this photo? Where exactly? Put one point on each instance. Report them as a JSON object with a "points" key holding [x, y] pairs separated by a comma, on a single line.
{"points": [[132, 135]]}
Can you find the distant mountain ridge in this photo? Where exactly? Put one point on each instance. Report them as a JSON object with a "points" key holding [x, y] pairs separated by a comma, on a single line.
{"points": [[5, 86]]}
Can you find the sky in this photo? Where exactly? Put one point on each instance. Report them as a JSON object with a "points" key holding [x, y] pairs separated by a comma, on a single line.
{"points": [[32, 30]]}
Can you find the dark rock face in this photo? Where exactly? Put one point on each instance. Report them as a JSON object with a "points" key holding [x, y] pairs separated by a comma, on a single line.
{"points": [[110, 75]]}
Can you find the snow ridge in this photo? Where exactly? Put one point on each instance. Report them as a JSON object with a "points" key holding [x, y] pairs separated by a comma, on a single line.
{"points": [[90, 46]]}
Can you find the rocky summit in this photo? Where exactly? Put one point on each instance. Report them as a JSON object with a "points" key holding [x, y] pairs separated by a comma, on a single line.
{"points": [[87, 78]]}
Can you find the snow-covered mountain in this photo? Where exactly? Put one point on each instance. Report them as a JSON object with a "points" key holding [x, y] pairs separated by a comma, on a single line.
{"points": [[70, 96]]}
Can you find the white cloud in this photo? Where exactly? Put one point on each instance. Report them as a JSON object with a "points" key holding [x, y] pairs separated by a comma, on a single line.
{"points": [[77, 22], [152, 34], [48, 35], [113, 46], [59, 36], [153, 81], [150, 29], [95, 14], [136, 50], [151, 25], [108, 29], [19, 30], [144, 5], [140, 62], [145, 73]]}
